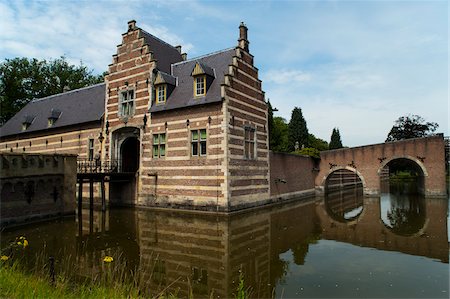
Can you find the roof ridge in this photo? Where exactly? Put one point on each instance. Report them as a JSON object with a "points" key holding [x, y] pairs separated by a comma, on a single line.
{"points": [[204, 56], [158, 39], [67, 92]]}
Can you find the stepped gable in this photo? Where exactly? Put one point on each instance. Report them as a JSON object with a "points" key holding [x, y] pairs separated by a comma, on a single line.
{"points": [[74, 107], [183, 94], [164, 53]]}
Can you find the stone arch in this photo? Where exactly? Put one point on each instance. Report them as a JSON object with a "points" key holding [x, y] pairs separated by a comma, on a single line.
{"points": [[126, 139], [414, 159], [334, 169], [404, 162]]}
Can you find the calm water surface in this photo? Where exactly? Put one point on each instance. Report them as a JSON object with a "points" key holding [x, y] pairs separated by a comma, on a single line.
{"points": [[343, 245]]}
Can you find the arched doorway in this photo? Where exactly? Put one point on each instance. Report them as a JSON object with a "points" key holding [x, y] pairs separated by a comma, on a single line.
{"points": [[344, 195], [129, 154]]}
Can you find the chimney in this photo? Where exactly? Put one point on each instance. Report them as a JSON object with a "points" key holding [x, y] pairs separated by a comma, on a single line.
{"points": [[243, 41], [131, 25], [178, 48], [184, 56]]}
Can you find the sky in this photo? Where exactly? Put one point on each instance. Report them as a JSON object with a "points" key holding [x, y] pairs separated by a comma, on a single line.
{"points": [[354, 65]]}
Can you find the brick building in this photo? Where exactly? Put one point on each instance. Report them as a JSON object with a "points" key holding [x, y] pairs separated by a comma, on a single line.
{"points": [[194, 132]]}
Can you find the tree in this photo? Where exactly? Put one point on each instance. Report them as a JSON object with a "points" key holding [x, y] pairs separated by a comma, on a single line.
{"points": [[280, 135], [411, 126], [317, 143], [298, 131], [335, 141], [23, 79]]}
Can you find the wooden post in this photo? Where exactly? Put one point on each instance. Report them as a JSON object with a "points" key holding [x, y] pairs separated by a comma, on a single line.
{"points": [[80, 195], [102, 187], [91, 193]]}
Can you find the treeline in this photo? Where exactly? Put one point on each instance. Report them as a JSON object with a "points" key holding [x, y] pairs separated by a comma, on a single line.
{"points": [[24, 79], [294, 137]]}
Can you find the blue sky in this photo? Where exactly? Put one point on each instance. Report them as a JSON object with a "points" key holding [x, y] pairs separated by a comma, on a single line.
{"points": [[355, 65]]}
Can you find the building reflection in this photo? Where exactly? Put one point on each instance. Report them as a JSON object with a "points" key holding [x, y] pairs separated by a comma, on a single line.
{"points": [[204, 254]]}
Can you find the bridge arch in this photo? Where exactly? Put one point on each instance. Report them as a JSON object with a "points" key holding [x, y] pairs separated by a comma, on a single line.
{"points": [[337, 168], [397, 164], [413, 159]]}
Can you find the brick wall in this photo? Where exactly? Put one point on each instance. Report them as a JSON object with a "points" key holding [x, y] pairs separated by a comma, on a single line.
{"points": [[36, 186], [290, 174]]}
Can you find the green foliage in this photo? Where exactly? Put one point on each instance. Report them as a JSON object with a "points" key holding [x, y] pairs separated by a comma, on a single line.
{"points": [[309, 151], [280, 135], [23, 79], [298, 131], [242, 292], [411, 126], [335, 141], [317, 143]]}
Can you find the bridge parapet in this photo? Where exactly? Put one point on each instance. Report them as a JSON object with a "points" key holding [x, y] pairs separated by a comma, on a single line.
{"points": [[368, 161]]}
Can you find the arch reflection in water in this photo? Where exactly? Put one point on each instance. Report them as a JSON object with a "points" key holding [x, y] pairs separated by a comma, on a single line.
{"points": [[404, 214], [344, 195]]}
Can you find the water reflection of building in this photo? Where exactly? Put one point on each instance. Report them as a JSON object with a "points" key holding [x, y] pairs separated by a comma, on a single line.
{"points": [[369, 230], [184, 252]]}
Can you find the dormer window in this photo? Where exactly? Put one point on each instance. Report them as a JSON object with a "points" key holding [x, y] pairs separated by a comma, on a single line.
{"points": [[203, 76], [126, 103], [164, 85], [161, 93], [200, 86], [27, 122], [54, 116]]}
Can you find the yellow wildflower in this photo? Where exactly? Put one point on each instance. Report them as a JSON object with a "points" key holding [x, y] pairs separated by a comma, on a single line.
{"points": [[4, 258], [108, 259], [21, 241]]}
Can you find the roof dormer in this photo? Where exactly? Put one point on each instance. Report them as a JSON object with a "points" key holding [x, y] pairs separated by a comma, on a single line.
{"points": [[28, 120], [164, 85], [54, 116], [203, 76]]}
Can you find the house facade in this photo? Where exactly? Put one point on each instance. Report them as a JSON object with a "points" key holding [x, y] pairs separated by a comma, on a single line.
{"points": [[193, 132]]}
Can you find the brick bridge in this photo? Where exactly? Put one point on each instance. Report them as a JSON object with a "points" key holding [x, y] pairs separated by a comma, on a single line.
{"points": [[371, 162]]}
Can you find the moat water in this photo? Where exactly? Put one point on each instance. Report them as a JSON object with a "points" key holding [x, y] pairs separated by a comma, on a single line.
{"points": [[342, 245]]}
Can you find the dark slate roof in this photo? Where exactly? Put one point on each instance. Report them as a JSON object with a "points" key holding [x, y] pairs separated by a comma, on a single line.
{"points": [[183, 94], [164, 53], [169, 79], [75, 107]]}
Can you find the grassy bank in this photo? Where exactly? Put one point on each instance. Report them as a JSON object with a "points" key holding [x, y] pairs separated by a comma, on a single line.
{"points": [[16, 283]]}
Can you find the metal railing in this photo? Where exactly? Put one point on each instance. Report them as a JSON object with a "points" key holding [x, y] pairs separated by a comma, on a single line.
{"points": [[97, 166]]}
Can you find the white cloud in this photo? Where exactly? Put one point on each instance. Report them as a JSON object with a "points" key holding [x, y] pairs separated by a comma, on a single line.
{"points": [[285, 76]]}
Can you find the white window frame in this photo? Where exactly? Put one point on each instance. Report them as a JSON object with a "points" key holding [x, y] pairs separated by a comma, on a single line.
{"points": [[161, 93], [200, 85], [126, 102]]}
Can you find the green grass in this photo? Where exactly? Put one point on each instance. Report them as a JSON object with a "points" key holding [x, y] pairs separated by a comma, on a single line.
{"points": [[16, 283], [25, 275]]}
